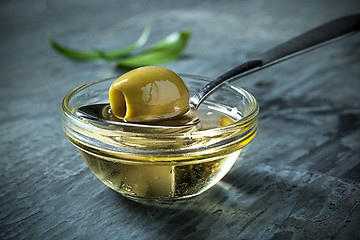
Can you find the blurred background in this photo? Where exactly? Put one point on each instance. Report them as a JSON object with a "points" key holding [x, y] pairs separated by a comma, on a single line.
{"points": [[299, 178]]}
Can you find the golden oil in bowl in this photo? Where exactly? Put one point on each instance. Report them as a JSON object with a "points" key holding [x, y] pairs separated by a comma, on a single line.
{"points": [[145, 163]]}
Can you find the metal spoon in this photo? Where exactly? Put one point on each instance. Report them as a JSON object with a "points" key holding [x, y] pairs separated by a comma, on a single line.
{"points": [[317, 37]]}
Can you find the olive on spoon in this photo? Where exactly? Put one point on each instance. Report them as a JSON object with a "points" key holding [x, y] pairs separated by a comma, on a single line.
{"points": [[317, 37]]}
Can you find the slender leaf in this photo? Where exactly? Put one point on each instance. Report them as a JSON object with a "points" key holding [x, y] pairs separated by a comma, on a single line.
{"points": [[98, 54], [166, 50]]}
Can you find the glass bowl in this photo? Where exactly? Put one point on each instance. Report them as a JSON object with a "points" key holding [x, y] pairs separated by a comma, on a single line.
{"points": [[145, 162]]}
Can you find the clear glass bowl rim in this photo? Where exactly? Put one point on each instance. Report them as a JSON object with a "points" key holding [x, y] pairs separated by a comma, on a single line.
{"points": [[254, 111]]}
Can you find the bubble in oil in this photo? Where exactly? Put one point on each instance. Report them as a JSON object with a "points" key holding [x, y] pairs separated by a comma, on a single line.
{"points": [[126, 187]]}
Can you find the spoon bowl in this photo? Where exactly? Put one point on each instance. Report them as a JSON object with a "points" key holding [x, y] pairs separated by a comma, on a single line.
{"points": [[102, 112]]}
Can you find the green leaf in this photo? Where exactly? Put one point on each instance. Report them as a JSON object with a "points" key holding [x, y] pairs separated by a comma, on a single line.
{"points": [[166, 50], [98, 54]]}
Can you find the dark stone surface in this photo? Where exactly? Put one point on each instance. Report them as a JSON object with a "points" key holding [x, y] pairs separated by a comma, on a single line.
{"points": [[299, 178]]}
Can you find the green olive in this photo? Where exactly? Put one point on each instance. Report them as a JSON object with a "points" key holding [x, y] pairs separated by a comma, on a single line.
{"points": [[148, 94]]}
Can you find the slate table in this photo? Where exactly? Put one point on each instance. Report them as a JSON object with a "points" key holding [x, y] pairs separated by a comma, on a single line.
{"points": [[299, 178]]}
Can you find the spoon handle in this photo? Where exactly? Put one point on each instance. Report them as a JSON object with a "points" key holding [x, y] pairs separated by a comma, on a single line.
{"points": [[317, 37]]}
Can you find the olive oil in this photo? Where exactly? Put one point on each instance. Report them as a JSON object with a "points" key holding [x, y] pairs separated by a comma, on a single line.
{"points": [[159, 181], [172, 179]]}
